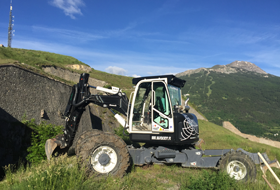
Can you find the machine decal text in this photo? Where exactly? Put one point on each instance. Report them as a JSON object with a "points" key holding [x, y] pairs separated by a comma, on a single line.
{"points": [[161, 138]]}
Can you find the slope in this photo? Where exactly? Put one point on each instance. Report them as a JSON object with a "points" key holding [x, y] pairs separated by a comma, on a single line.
{"points": [[248, 100], [36, 60]]}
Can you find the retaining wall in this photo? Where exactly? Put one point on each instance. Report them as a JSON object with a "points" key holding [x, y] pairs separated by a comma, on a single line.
{"points": [[23, 92]]}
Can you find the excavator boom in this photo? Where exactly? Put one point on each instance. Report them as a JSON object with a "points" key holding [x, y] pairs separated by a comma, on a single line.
{"points": [[79, 98]]}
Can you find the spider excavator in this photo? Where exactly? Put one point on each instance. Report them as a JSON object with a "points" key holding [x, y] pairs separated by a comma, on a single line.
{"points": [[153, 116]]}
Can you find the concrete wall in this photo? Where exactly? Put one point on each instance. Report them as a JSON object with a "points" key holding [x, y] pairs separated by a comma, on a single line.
{"points": [[24, 92]]}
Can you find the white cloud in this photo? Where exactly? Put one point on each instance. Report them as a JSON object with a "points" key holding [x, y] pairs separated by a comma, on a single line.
{"points": [[171, 73], [73, 35], [115, 70], [70, 7], [136, 76]]}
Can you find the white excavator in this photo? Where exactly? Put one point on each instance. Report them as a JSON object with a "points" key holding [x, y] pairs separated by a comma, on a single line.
{"points": [[153, 116]]}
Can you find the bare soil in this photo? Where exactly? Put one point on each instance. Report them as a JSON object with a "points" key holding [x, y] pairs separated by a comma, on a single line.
{"points": [[229, 126]]}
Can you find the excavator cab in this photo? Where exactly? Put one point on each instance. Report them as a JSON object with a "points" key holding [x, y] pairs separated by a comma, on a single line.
{"points": [[154, 114]]}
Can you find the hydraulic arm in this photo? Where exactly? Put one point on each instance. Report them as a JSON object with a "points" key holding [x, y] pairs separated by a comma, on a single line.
{"points": [[79, 98]]}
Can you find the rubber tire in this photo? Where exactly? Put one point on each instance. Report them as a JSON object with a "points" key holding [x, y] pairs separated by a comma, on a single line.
{"points": [[84, 135], [243, 158], [94, 139]]}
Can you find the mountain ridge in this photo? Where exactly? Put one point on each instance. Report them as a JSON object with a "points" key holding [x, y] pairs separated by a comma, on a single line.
{"points": [[234, 67]]}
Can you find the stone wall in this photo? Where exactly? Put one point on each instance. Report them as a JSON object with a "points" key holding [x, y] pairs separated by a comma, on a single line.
{"points": [[26, 93]]}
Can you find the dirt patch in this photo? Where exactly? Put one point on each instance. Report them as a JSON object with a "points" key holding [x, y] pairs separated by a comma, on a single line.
{"points": [[229, 126]]}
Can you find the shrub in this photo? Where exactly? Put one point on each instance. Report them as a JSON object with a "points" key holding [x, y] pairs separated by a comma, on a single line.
{"points": [[123, 134], [41, 133]]}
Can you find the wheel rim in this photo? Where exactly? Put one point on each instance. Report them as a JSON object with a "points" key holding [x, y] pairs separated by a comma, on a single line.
{"points": [[236, 170], [104, 159]]}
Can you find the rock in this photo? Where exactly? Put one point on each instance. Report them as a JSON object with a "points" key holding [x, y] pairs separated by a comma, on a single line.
{"points": [[85, 68], [246, 66], [234, 67], [42, 113]]}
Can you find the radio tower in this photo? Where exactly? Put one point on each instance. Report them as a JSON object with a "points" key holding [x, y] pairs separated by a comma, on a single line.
{"points": [[10, 29]]}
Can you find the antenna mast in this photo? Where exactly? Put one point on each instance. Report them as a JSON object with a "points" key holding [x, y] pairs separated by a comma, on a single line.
{"points": [[10, 29]]}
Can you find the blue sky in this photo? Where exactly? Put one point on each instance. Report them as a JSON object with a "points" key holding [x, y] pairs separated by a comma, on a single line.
{"points": [[149, 37]]}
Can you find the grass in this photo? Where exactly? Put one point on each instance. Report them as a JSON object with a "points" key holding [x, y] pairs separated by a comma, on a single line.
{"points": [[195, 107], [217, 137], [35, 60], [114, 80], [65, 172]]}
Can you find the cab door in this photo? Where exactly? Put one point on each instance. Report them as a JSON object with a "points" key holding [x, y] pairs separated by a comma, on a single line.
{"points": [[151, 110], [141, 108], [162, 115]]}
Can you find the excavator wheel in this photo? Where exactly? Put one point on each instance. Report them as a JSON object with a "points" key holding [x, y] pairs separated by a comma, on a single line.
{"points": [[84, 135], [238, 166], [103, 153]]}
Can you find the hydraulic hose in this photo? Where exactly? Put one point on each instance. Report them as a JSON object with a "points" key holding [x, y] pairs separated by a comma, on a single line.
{"points": [[75, 96]]}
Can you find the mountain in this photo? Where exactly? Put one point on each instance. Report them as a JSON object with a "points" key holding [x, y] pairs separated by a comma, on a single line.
{"points": [[239, 92], [234, 67]]}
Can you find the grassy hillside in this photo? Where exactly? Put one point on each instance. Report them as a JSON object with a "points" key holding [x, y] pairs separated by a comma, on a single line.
{"points": [[249, 101], [35, 60], [64, 173]]}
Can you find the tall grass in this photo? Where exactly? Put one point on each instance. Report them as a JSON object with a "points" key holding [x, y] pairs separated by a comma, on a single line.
{"points": [[59, 173], [66, 173]]}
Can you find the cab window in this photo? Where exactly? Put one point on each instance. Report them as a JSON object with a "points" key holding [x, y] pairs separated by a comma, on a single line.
{"points": [[161, 110], [142, 108]]}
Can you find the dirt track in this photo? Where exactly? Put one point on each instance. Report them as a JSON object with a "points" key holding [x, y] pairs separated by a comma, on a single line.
{"points": [[197, 114], [229, 126]]}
